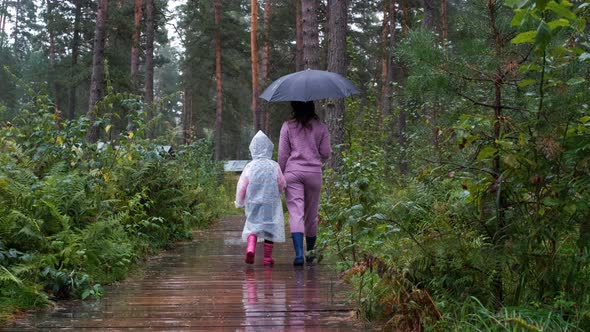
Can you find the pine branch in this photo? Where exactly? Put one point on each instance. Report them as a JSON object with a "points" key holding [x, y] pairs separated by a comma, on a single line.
{"points": [[479, 103]]}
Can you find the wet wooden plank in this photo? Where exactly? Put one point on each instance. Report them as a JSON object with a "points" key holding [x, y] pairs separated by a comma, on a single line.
{"points": [[205, 285]]}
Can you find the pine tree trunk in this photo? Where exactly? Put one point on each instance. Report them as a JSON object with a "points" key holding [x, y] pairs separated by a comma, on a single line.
{"points": [[149, 67], [401, 126], [138, 14], [402, 117], [51, 6], [445, 24], [430, 15], [265, 62], [219, 109], [16, 27], [383, 107], [337, 62], [257, 123], [405, 15], [299, 64], [311, 41], [390, 58], [499, 198], [187, 116], [72, 98], [97, 77]]}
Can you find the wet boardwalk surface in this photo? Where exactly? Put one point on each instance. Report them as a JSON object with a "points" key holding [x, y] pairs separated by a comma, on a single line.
{"points": [[205, 285]]}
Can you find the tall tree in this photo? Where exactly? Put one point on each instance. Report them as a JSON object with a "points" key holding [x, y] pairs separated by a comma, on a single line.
{"points": [[256, 118], [431, 16], [3, 16], [150, 30], [138, 14], [16, 27], [72, 94], [51, 29], [402, 116], [337, 62], [444, 22], [265, 61], [218, 78], [96, 80], [311, 43], [385, 27], [299, 64]]}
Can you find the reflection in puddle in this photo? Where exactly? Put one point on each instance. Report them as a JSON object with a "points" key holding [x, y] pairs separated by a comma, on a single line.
{"points": [[263, 298], [286, 299]]}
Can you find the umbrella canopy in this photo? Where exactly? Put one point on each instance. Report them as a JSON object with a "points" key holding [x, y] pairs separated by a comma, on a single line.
{"points": [[307, 85]]}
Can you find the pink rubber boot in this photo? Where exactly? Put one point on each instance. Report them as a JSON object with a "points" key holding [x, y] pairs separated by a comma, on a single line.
{"points": [[267, 260], [250, 249]]}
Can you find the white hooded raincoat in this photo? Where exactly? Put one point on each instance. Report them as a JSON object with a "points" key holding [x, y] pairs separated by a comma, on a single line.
{"points": [[259, 189]]}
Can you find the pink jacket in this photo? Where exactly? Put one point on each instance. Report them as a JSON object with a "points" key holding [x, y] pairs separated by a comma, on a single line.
{"points": [[304, 149]]}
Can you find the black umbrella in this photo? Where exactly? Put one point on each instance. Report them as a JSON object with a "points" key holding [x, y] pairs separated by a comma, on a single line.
{"points": [[309, 85]]}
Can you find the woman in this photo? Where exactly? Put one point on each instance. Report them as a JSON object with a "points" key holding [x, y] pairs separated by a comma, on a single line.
{"points": [[304, 145]]}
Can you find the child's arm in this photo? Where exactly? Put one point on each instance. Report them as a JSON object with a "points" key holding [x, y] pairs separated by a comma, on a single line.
{"points": [[241, 189]]}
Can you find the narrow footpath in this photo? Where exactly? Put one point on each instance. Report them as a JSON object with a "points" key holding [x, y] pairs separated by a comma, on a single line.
{"points": [[205, 285]]}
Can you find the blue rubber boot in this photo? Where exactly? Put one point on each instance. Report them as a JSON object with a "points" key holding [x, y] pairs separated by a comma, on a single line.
{"points": [[310, 253], [298, 246]]}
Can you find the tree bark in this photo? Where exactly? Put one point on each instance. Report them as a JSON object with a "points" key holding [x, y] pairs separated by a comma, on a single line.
{"points": [[138, 14], [16, 28], [405, 14], [149, 67], [381, 109], [219, 88], [299, 64], [390, 58], [97, 77], [72, 97], [402, 117], [311, 41], [445, 24], [265, 61], [257, 123], [187, 116], [430, 15], [337, 62], [51, 7], [499, 198], [3, 15]]}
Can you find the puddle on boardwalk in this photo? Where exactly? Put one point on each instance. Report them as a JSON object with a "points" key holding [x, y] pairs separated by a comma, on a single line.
{"points": [[205, 285]]}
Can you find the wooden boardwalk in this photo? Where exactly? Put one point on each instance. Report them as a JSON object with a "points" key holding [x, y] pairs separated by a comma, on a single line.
{"points": [[205, 285]]}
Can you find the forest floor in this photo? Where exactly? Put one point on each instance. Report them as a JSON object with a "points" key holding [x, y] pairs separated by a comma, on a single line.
{"points": [[205, 285]]}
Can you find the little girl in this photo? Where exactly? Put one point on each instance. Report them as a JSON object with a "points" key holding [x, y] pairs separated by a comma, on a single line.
{"points": [[259, 189]]}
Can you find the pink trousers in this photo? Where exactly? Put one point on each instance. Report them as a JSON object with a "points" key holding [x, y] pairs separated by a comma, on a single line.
{"points": [[303, 200]]}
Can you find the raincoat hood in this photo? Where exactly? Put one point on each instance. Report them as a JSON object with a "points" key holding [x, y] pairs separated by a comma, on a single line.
{"points": [[261, 147]]}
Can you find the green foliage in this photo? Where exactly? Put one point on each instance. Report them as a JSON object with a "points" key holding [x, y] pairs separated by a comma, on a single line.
{"points": [[490, 231], [75, 216]]}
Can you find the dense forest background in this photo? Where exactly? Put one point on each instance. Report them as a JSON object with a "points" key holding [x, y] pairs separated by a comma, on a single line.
{"points": [[457, 197]]}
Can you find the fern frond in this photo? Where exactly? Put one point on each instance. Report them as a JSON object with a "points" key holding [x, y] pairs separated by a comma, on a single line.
{"points": [[7, 276]]}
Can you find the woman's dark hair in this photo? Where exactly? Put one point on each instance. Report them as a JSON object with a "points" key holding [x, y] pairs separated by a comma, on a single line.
{"points": [[303, 112]]}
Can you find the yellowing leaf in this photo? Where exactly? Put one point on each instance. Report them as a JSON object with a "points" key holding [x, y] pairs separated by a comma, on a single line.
{"points": [[525, 37], [526, 82], [486, 152], [561, 10], [562, 22], [108, 128], [60, 140]]}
